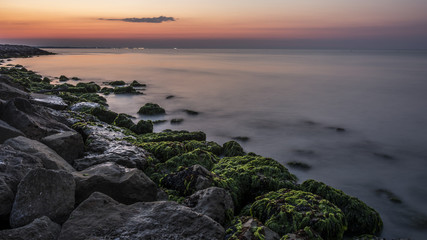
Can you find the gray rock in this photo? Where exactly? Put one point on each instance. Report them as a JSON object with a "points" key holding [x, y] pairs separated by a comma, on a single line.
{"points": [[123, 184], [100, 217], [40, 229], [34, 121], [69, 145], [102, 146], [7, 131], [213, 202], [43, 192], [50, 101], [8, 92], [81, 106], [14, 165], [49, 158]]}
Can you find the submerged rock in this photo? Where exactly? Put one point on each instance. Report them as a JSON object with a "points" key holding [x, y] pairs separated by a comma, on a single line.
{"points": [[117, 83], [125, 185], [361, 218], [43, 193], [40, 228], [151, 109], [287, 211], [101, 217], [124, 90], [249, 228], [137, 84], [63, 78]]}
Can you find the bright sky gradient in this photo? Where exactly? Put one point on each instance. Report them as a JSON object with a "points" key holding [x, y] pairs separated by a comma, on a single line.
{"points": [[266, 23]]}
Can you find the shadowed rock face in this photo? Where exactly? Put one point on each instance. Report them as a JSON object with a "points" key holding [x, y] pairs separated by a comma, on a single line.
{"points": [[41, 228], [103, 218], [69, 145], [43, 192], [125, 185]]}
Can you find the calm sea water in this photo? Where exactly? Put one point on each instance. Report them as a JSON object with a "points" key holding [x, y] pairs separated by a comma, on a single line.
{"points": [[289, 103]]}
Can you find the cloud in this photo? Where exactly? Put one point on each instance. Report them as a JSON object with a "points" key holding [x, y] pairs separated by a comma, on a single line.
{"points": [[142, 20]]}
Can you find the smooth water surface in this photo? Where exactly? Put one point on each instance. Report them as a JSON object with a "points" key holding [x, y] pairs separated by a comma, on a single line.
{"points": [[290, 104]]}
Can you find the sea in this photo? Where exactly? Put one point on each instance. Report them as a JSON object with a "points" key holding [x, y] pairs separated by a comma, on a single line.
{"points": [[356, 119]]}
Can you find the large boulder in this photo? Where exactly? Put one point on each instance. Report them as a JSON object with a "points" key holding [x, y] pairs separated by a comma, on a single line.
{"points": [[123, 184], [14, 165], [50, 101], [41, 228], [34, 121], [102, 145], [213, 202], [246, 227], [8, 92], [49, 158], [43, 192], [103, 218], [7, 131], [69, 145]]}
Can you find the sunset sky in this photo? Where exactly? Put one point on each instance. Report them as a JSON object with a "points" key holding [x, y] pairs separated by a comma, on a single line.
{"points": [[219, 23]]}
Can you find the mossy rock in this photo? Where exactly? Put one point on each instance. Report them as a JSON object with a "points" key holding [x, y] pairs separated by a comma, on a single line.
{"points": [[151, 109], [63, 78], [90, 87], [232, 149], [122, 120], [361, 218], [104, 114], [287, 211], [124, 90], [249, 176], [117, 83], [142, 127], [172, 136], [209, 146], [164, 150], [93, 97], [246, 227], [137, 84], [303, 234], [107, 90]]}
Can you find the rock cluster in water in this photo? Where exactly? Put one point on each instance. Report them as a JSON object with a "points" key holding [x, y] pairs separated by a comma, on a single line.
{"points": [[72, 169]]}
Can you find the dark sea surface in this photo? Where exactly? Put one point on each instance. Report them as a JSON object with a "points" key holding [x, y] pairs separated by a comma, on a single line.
{"points": [[358, 118]]}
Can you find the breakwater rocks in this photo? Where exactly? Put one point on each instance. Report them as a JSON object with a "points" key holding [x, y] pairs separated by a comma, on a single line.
{"points": [[72, 169], [13, 51]]}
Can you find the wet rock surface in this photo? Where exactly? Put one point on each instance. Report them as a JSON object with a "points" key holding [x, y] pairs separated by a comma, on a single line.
{"points": [[103, 218]]}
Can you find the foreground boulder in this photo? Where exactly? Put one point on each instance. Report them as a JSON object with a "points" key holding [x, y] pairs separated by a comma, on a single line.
{"points": [[288, 211], [213, 202], [14, 166], [7, 131], [125, 185], [41, 228], [100, 217], [249, 228], [361, 218], [34, 121], [69, 145], [43, 192], [49, 158]]}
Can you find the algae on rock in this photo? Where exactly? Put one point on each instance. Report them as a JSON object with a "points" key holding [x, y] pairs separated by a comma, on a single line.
{"points": [[151, 109]]}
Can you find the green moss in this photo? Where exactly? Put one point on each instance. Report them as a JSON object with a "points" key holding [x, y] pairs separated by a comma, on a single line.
{"points": [[303, 234], [142, 127], [239, 230], [299, 165], [164, 150], [123, 121], [172, 136], [232, 148], [249, 176], [117, 83], [104, 114], [287, 211], [46, 80], [209, 146], [151, 109], [124, 90], [107, 90], [63, 78], [361, 218], [93, 97], [89, 87], [137, 84]]}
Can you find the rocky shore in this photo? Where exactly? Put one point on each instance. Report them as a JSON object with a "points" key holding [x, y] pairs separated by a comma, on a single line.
{"points": [[72, 169]]}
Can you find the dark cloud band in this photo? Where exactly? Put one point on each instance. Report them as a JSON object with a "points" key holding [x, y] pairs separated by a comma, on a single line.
{"points": [[142, 20]]}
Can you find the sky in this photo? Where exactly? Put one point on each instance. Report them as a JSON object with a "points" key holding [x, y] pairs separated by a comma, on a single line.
{"points": [[394, 24]]}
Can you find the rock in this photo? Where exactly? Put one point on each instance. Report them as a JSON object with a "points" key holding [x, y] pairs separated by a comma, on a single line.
{"points": [[249, 228], [102, 145], [232, 149], [191, 112], [250, 176], [122, 120], [213, 202], [125, 185], [49, 101], [361, 218], [103, 218], [40, 228], [49, 158], [151, 109], [90, 87], [8, 92], [43, 192], [34, 121], [9, 51], [287, 211], [177, 120], [69, 145], [298, 165], [117, 83], [305, 234], [7, 131], [189, 180], [14, 165], [137, 84], [104, 115], [84, 106], [63, 78], [125, 90], [142, 127]]}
